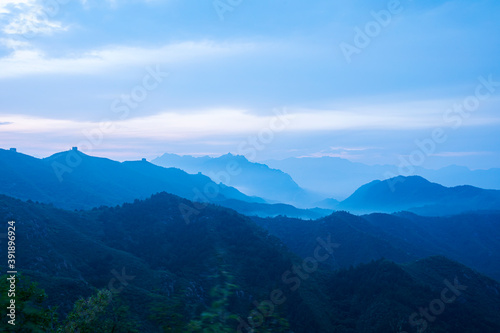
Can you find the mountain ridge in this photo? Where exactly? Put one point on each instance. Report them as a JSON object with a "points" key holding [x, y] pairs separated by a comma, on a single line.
{"points": [[338, 177], [74, 180], [417, 194], [175, 272], [251, 178]]}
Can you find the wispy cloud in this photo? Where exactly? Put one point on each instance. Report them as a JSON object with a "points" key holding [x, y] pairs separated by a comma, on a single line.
{"points": [[29, 18], [214, 122], [32, 23], [351, 148], [343, 155], [462, 153], [6, 6], [14, 44], [30, 61]]}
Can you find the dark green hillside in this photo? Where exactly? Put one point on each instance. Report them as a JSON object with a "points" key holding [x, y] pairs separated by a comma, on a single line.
{"points": [[272, 210], [357, 240], [171, 268], [470, 238], [384, 297], [141, 268]]}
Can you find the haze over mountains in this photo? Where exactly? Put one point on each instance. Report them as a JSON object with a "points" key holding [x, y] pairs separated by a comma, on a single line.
{"points": [[314, 211], [222, 266], [338, 178], [207, 254], [310, 182], [413, 193], [74, 180], [250, 178], [418, 195]]}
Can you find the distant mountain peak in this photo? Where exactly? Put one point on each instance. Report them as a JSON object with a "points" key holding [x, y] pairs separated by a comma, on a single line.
{"points": [[231, 156], [417, 194], [251, 178]]}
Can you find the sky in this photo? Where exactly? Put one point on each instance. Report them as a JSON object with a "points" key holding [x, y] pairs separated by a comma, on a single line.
{"points": [[371, 81]]}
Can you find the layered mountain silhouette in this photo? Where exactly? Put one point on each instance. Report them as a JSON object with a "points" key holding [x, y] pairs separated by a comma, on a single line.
{"points": [[338, 178], [418, 195], [250, 178], [168, 274], [74, 180], [472, 238]]}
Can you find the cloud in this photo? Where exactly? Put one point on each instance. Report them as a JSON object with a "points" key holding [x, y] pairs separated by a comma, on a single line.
{"points": [[31, 61], [462, 153], [6, 6], [5, 123], [343, 155], [30, 18], [14, 44], [210, 123], [31, 24], [352, 148]]}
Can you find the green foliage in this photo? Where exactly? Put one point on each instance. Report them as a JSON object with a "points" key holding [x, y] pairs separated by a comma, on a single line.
{"points": [[98, 313], [185, 275], [95, 314], [217, 318], [169, 315], [31, 316], [87, 315]]}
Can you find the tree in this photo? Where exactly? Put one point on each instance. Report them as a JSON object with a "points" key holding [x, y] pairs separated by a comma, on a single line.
{"points": [[30, 315], [217, 317], [98, 313]]}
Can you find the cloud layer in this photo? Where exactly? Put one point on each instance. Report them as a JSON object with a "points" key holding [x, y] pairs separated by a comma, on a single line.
{"points": [[67, 65]]}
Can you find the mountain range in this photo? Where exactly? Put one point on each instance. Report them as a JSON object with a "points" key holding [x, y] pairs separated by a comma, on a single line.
{"points": [[472, 238], [74, 180], [221, 270], [255, 179], [338, 178], [418, 195], [324, 179]]}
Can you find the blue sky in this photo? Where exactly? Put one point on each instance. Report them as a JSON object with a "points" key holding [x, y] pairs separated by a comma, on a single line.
{"points": [[137, 78]]}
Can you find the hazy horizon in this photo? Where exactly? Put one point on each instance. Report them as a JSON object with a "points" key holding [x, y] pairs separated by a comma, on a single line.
{"points": [[217, 155], [366, 82]]}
